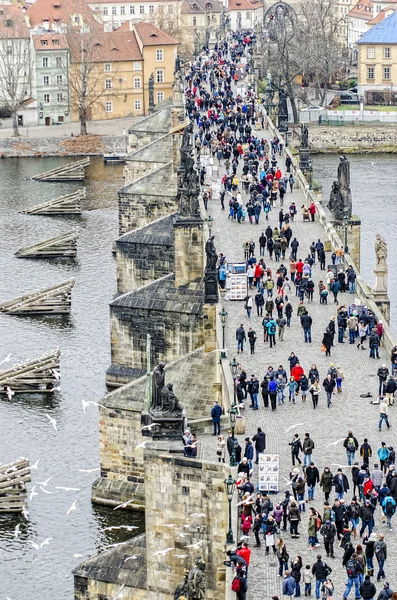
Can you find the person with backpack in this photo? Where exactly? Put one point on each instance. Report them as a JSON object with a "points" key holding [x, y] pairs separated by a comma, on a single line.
{"points": [[353, 570], [239, 583], [351, 446], [365, 451], [386, 593], [328, 531], [320, 570], [381, 556], [389, 508], [271, 327]]}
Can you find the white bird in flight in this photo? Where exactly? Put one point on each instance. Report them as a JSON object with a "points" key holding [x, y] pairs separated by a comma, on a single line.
{"points": [[36, 464], [45, 491], [53, 422], [132, 557], [67, 489], [142, 445], [10, 392], [44, 483], [341, 466], [163, 552], [6, 359], [124, 505], [56, 374], [288, 482], [335, 443], [195, 545], [293, 427], [35, 546], [197, 515], [78, 556], [127, 527], [33, 493], [89, 470], [25, 512], [119, 594], [72, 508], [46, 542], [87, 403], [17, 531], [149, 426], [180, 555]]}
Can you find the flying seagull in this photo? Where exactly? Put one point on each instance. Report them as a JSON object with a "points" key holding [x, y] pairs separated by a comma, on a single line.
{"points": [[53, 422], [335, 443], [293, 427], [72, 508]]}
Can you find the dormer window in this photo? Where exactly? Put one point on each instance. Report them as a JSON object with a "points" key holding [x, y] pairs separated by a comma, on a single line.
{"points": [[44, 43], [55, 42]]}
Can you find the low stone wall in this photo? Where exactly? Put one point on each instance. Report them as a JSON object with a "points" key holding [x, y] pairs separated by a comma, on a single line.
{"points": [[86, 145], [358, 139]]}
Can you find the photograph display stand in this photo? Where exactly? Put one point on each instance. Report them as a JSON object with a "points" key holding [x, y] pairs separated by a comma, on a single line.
{"points": [[237, 281], [268, 472]]}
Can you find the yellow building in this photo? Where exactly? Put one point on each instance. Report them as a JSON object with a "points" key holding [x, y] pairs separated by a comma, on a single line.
{"points": [[377, 57], [114, 69]]}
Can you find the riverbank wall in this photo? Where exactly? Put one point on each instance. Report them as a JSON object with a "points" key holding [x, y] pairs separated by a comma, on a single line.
{"points": [[364, 294], [353, 139], [82, 145]]}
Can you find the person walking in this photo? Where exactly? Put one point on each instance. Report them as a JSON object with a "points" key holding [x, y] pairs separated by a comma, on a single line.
{"points": [[296, 447], [259, 440], [216, 413], [282, 556], [306, 322], [251, 339], [312, 477], [381, 556], [351, 446], [240, 337], [386, 593], [289, 585], [220, 448], [294, 518], [327, 342], [326, 482], [320, 570], [367, 589], [389, 508], [329, 386], [314, 390], [353, 570], [307, 447], [383, 414], [383, 454], [341, 484], [328, 531], [281, 323], [259, 303], [271, 327]]}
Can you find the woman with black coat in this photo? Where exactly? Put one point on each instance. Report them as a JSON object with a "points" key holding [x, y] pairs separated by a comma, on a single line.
{"points": [[314, 374], [296, 566], [327, 342]]}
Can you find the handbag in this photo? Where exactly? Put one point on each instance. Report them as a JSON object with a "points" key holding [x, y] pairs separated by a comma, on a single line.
{"points": [[323, 348]]}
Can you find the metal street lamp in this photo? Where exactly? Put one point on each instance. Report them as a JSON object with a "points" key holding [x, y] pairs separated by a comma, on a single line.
{"points": [[210, 220], [310, 174], [223, 315], [346, 223], [234, 368], [229, 484], [233, 411]]}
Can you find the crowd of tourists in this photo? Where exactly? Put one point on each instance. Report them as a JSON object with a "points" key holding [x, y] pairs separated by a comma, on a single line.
{"points": [[257, 183]]}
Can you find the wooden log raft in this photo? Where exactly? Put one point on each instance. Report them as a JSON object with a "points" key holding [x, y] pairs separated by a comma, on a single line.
{"points": [[70, 172], [64, 205], [13, 479], [54, 300], [64, 245], [40, 375]]}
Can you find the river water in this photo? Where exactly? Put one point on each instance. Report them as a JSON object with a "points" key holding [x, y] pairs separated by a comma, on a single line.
{"points": [[372, 185], [84, 343]]}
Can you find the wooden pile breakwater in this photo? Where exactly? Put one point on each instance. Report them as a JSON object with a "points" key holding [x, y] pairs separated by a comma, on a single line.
{"points": [[39, 375], [64, 245], [74, 171], [54, 300], [13, 479], [64, 205]]}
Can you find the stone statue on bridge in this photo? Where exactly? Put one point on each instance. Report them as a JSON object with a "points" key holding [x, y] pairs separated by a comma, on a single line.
{"points": [[196, 584], [340, 202], [304, 136], [158, 382], [380, 251]]}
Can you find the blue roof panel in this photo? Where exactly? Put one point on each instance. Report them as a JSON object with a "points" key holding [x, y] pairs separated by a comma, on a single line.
{"points": [[384, 32]]}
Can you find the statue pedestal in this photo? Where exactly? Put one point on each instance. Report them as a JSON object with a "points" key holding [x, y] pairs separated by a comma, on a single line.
{"points": [[169, 427], [380, 280], [304, 159], [211, 286]]}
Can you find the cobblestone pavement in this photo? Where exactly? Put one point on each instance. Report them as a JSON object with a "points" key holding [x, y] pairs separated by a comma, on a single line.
{"points": [[348, 410]]}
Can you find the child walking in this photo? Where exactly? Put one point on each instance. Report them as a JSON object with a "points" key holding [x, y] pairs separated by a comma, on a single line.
{"points": [[339, 378], [292, 385]]}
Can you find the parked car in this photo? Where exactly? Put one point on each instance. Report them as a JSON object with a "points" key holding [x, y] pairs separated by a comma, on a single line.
{"points": [[345, 96], [313, 108]]}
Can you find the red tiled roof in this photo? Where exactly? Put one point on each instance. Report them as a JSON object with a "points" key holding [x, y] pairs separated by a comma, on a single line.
{"points": [[364, 9], [58, 12], [12, 23], [112, 46], [153, 36], [51, 39], [242, 4], [381, 15]]}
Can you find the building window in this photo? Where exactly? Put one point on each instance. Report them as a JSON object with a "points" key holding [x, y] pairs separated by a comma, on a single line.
{"points": [[386, 52], [371, 73], [59, 79], [170, 8], [77, 19], [137, 82], [45, 62], [60, 97], [160, 76], [58, 61], [114, 10], [137, 105], [9, 50], [55, 42], [44, 42], [109, 107], [248, 16], [105, 10], [159, 55], [371, 52], [46, 80], [122, 10], [151, 8], [108, 84], [132, 10], [46, 98], [194, 21], [142, 9], [386, 72], [137, 66], [160, 96], [108, 67]]}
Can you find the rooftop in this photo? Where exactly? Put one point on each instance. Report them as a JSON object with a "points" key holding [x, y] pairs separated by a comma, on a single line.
{"points": [[50, 41], [364, 9], [12, 23], [61, 13], [381, 15], [197, 7], [382, 33], [111, 46], [152, 36]]}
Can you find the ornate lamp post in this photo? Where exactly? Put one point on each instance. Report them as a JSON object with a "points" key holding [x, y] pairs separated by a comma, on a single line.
{"points": [[229, 489], [234, 368], [310, 174], [223, 315], [346, 223], [233, 411]]}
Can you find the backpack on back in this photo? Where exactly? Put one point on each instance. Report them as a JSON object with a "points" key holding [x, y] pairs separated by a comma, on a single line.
{"points": [[379, 552], [332, 515], [351, 568], [350, 445], [389, 508], [236, 584]]}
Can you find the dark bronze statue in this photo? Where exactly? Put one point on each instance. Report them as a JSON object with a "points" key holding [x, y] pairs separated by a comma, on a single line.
{"points": [[304, 136], [170, 404], [340, 202], [212, 256], [196, 584], [158, 382]]}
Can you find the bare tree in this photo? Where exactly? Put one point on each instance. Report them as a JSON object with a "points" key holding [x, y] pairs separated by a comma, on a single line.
{"points": [[86, 74], [321, 30], [16, 68]]}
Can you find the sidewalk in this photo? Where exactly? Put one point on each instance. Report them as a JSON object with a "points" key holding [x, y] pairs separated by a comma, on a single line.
{"points": [[348, 410], [112, 127]]}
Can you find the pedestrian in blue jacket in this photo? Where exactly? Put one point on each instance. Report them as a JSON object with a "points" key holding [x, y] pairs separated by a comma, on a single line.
{"points": [[216, 413], [289, 584]]}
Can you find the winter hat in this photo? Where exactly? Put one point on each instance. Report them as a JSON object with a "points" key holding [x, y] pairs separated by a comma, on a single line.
{"points": [[373, 537]]}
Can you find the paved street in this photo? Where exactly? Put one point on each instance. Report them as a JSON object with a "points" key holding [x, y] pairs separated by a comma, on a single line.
{"points": [[348, 410]]}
